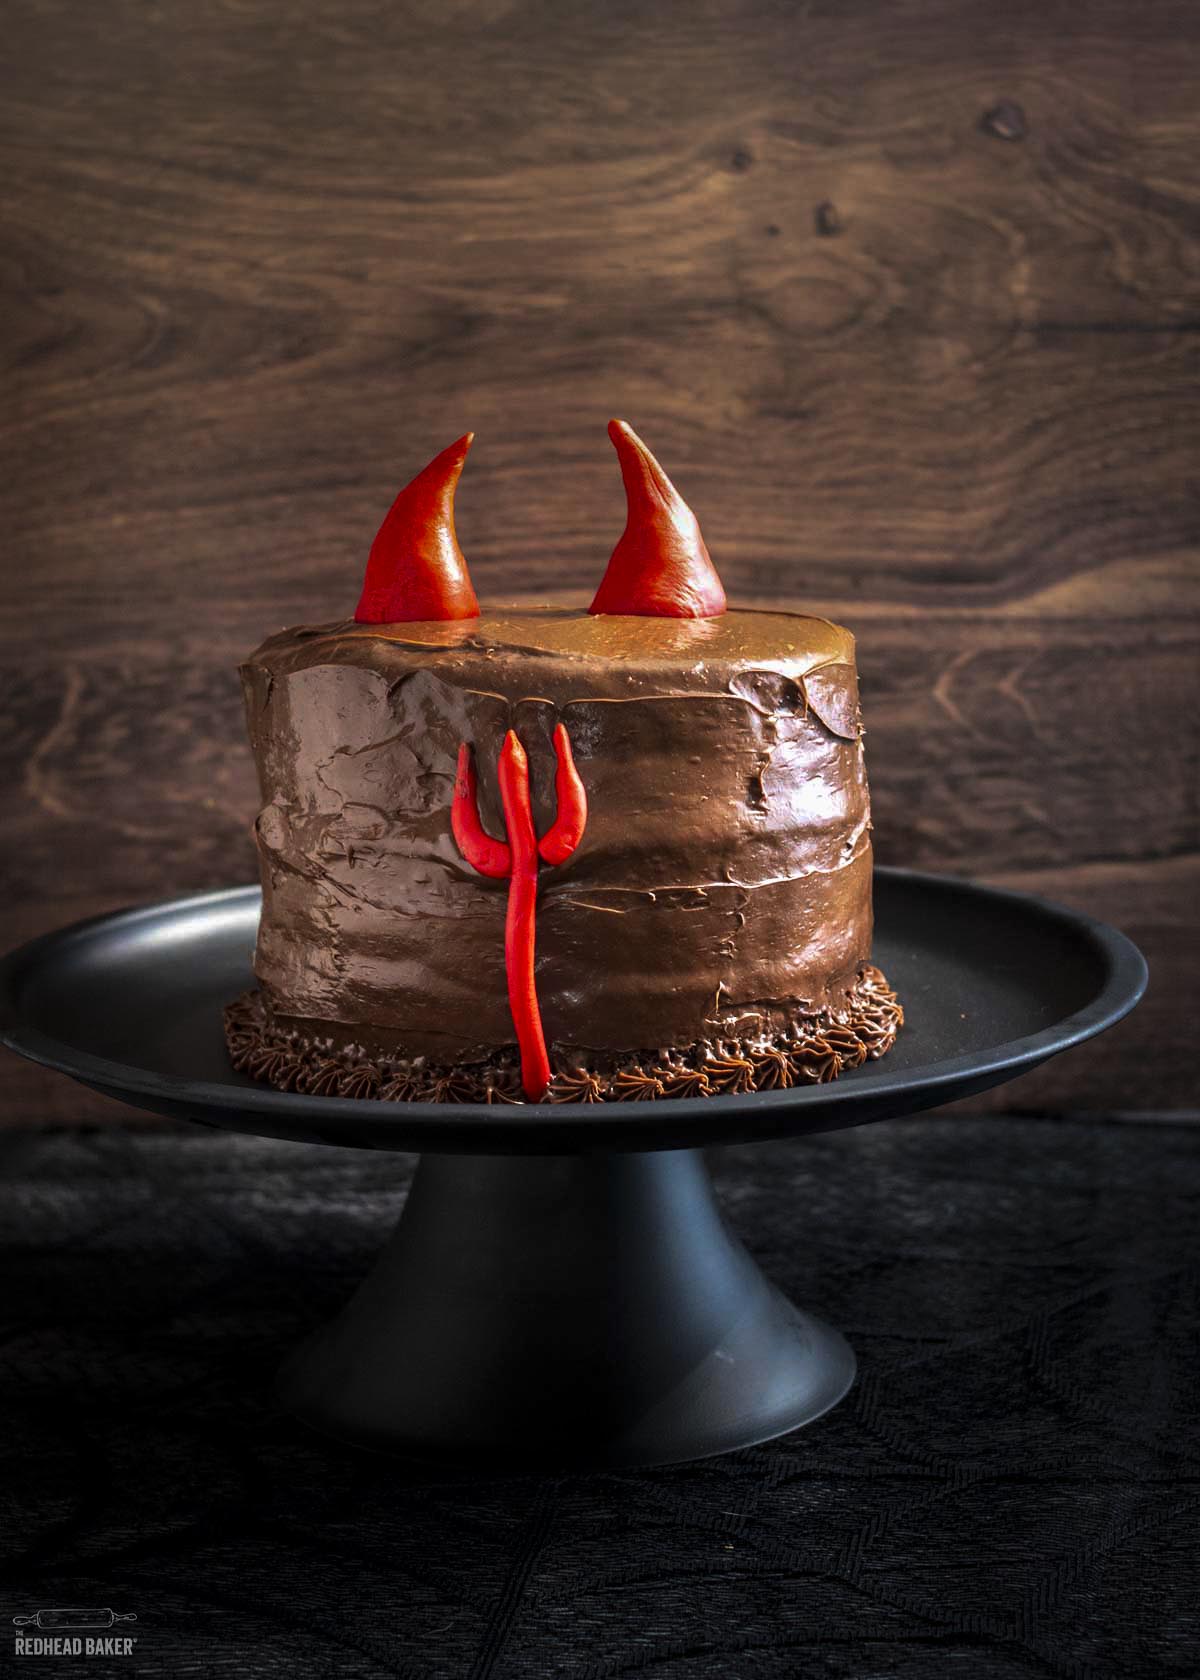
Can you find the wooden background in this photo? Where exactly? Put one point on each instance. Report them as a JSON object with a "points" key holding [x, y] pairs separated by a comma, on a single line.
{"points": [[906, 293]]}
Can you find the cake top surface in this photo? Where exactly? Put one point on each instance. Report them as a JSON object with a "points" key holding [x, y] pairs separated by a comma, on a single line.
{"points": [[789, 642]]}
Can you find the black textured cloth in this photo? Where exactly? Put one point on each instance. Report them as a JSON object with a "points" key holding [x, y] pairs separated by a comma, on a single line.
{"points": [[1010, 1490]]}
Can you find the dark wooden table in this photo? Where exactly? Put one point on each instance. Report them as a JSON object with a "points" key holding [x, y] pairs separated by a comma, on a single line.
{"points": [[906, 297]]}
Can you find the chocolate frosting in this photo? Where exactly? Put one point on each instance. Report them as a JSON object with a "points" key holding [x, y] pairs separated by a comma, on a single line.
{"points": [[326, 1060], [722, 887]]}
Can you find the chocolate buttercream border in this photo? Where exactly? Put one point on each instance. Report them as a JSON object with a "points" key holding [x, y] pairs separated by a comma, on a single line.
{"points": [[816, 1048]]}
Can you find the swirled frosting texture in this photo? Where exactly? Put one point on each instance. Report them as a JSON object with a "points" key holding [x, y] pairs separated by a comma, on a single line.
{"points": [[723, 885]]}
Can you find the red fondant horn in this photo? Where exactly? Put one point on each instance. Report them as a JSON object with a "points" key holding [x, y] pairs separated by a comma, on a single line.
{"points": [[416, 569], [660, 568]]}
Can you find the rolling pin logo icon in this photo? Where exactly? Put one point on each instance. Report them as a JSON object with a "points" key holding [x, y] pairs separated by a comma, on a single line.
{"points": [[73, 1620]]}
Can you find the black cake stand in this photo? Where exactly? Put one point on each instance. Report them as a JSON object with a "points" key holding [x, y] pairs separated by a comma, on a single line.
{"points": [[562, 1289]]}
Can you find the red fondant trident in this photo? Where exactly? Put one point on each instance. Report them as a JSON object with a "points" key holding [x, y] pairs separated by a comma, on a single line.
{"points": [[518, 860]]}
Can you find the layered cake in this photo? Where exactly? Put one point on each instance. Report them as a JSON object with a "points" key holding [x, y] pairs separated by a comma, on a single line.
{"points": [[553, 851]]}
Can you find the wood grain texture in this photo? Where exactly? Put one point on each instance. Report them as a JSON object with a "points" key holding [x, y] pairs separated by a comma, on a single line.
{"points": [[906, 296]]}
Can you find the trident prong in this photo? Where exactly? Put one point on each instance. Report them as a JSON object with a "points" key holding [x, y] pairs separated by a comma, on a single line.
{"points": [[517, 859]]}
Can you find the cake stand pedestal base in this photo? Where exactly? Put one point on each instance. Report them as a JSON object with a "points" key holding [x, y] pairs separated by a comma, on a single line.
{"points": [[565, 1311], [561, 1290]]}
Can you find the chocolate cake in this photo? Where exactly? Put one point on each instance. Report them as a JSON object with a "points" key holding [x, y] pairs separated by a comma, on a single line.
{"points": [[557, 852]]}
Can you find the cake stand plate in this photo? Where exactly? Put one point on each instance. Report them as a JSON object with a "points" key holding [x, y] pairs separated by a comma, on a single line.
{"points": [[561, 1289]]}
